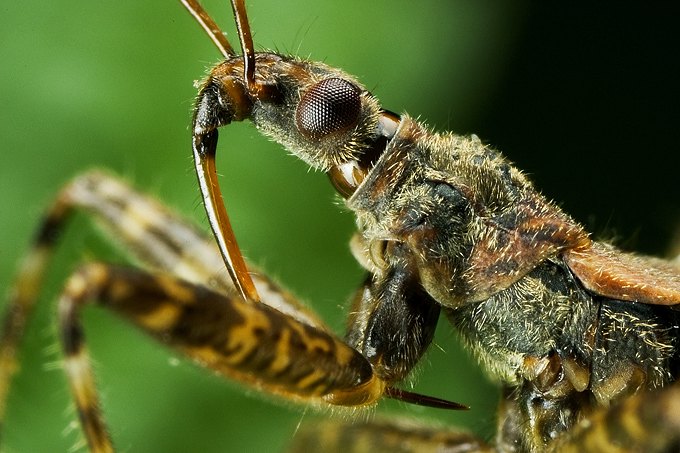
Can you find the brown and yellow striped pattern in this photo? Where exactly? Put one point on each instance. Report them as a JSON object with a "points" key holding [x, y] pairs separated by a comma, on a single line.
{"points": [[185, 301]]}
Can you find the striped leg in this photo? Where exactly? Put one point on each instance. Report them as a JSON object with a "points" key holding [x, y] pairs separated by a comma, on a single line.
{"points": [[149, 232], [393, 436], [646, 422], [246, 341]]}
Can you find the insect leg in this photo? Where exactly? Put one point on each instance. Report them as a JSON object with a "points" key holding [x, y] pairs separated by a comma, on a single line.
{"points": [[240, 339], [383, 436], [147, 230], [393, 319], [647, 421], [24, 292]]}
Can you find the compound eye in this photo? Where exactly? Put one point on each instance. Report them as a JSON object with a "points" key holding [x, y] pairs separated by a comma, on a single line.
{"points": [[329, 107]]}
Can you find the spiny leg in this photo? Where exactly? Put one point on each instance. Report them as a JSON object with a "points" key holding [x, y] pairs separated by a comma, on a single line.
{"points": [[23, 294], [242, 340], [148, 231]]}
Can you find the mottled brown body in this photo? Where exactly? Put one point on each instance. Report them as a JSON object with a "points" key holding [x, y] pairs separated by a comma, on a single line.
{"points": [[582, 337]]}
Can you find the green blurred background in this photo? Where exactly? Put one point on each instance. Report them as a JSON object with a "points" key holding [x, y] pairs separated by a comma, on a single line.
{"points": [[584, 100]]}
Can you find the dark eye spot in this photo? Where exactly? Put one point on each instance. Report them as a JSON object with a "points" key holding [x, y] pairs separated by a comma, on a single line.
{"points": [[329, 107]]}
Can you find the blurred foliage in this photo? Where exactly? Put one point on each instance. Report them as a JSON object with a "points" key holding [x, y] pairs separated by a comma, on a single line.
{"points": [[86, 84]]}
